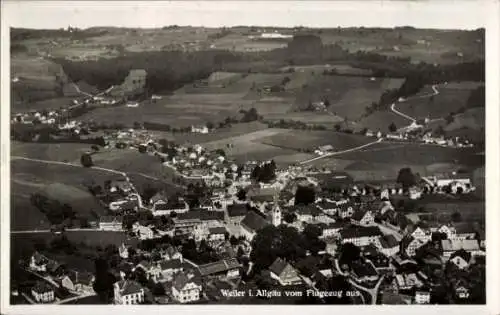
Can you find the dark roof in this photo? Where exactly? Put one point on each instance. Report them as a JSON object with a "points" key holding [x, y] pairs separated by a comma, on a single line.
{"points": [[171, 264], [462, 253], [360, 231], [278, 266], [217, 230], [262, 198], [170, 206], [358, 215], [389, 241], [42, 287], [326, 205], [110, 219], [253, 221], [128, 287], [237, 210], [40, 259], [200, 214], [181, 279], [363, 270], [85, 278], [218, 266], [305, 210]]}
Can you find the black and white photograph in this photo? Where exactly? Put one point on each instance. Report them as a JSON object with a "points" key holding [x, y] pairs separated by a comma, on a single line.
{"points": [[272, 153]]}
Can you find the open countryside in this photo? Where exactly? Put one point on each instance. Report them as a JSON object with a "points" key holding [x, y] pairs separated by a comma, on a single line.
{"points": [[169, 165]]}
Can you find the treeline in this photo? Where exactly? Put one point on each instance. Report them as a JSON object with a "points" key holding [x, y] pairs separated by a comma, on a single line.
{"points": [[55, 211], [166, 71], [48, 134], [20, 34]]}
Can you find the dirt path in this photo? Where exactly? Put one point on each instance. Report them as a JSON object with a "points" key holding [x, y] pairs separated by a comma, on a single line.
{"points": [[341, 152]]}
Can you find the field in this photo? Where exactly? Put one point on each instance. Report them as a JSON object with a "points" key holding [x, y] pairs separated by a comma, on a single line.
{"points": [[63, 152], [450, 99], [310, 140], [415, 154], [380, 121], [61, 182]]}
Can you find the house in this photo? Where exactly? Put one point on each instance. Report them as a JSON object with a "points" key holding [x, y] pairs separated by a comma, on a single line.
{"points": [[77, 281], [196, 222], [422, 297], [252, 223], [217, 234], [325, 149], [157, 199], [42, 292], [381, 263], [421, 234], [169, 268], [152, 270], [186, 288], [364, 218], [123, 251], [406, 281], [362, 272], [462, 291], [360, 235], [409, 245], [38, 262], [461, 258], [309, 213], [222, 269], [171, 253], [330, 229], [388, 245], [236, 213], [464, 231], [345, 210], [199, 129], [111, 223], [327, 207], [128, 292], [284, 273], [167, 208], [451, 246]]}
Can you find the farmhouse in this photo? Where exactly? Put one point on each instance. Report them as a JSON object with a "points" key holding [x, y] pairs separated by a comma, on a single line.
{"points": [[461, 259], [284, 273], [360, 236], [199, 129], [128, 292], [186, 288], [236, 213], [406, 281], [409, 245], [223, 269], [178, 206], [111, 223], [325, 149], [364, 218], [252, 223], [388, 245], [80, 282], [217, 234], [362, 272]]}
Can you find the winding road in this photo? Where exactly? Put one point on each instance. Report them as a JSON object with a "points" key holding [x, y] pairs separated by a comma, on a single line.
{"points": [[413, 119]]}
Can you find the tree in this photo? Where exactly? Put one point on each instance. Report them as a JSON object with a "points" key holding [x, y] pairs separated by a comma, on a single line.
{"points": [[86, 160], [233, 240], [304, 195], [337, 127], [95, 148], [348, 254], [406, 178], [210, 125], [456, 217], [392, 127], [290, 217], [241, 195]]}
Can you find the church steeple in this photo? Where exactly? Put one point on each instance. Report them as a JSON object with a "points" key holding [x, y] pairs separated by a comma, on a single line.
{"points": [[276, 213]]}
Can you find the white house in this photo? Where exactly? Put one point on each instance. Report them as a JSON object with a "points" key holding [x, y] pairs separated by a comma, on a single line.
{"points": [[451, 246], [128, 292], [42, 292], [422, 297], [199, 129], [186, 288], [364, 218], [284, 273]]}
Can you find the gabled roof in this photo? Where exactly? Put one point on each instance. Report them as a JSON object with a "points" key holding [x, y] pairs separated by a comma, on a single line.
{"points": [[358, 215], [360, 231], [85, 278], [237, 209], [181, 279], [278, 266], [171, 264], [326, 205], [127, 287], [217, 230], [306, 210], [461, 253], [200, 214], [219, 266], [454, 245], [42, 287], [253, 221], [388, 241]]}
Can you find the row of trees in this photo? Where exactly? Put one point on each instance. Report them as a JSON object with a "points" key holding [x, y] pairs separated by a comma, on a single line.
{"points": [[55, 211], [265, 172]]}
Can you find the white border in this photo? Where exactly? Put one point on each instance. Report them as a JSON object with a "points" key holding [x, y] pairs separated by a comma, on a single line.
{"points": [[457, 14]]}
